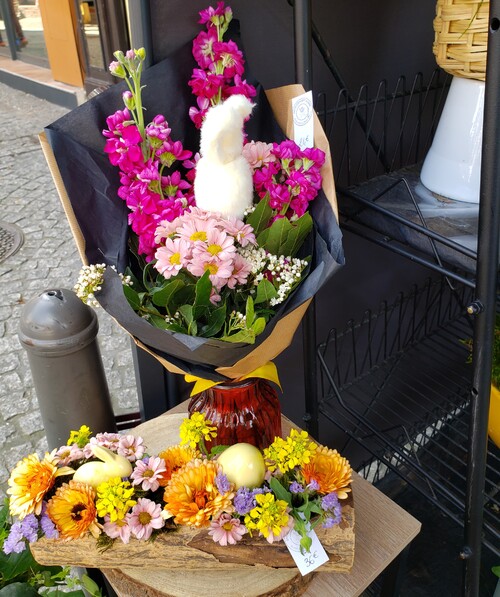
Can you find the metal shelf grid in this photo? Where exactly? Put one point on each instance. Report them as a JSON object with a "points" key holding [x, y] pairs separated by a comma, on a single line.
{"points": [[397, 383]]}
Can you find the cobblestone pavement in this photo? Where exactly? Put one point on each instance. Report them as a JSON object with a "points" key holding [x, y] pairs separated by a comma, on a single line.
{"points": [[47, 259]]}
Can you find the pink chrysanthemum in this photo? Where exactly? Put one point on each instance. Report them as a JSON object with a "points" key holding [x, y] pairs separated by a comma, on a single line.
{"points": [[258, 153], [145, 517], [172, 257], [67, 454], [219, 247], [148, 474], [131, 447], [226, 530], [241, 270], [119, 529], [219, 271], [241, 232]]}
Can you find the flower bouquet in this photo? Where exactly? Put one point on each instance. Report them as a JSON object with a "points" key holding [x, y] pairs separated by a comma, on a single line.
{"points": [[219, 255], [102, 500]]}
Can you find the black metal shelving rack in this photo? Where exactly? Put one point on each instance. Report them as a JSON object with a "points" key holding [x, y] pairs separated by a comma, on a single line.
{"points": [[412, 348]]}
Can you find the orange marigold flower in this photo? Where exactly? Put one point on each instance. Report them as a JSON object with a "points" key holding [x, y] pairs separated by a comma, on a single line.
{"points": [[330, 470], [192, 496], [175, 458], [30, 480], [72, 509]]}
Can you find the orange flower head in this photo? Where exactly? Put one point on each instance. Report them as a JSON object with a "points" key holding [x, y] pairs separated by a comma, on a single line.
{"points": [[330, 470], [175, 458], [72, 509], [192, 496], [30, 480]]}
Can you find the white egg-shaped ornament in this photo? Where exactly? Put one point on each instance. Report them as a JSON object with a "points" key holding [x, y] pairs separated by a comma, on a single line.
{"points": [[243, 465]]}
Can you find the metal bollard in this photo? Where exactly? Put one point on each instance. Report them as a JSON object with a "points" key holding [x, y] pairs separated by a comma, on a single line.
{"points": [[59, 334]]}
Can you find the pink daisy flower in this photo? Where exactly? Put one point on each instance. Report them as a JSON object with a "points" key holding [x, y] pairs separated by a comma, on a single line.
{"points": [[193, 228], [226, 530], [131, 447], [117, 530], [241, 270], [258, 153], [107, 440], [172, 257], [241, 232], [147, 474], [166, 229], [219, 247], [67, 454], [144, 518], [219, 271]]}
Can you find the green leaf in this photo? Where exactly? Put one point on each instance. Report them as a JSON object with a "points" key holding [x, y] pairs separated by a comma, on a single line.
{"points": [[149, 275], [159, 322], [185, 296], [297, 235], [162, 296], [305, 543], [265, 292], [245, 335], [279, 491], [215, 322], [249, 312], [259, 218], [16, 564], [91, 586], [202, 303], [19, 589], [216, 450], [259, 325], [187, 313], [133, 298], [136, 283]]}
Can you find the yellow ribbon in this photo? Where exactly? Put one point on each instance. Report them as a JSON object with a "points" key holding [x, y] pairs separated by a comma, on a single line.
{"points": [[267, 371]]}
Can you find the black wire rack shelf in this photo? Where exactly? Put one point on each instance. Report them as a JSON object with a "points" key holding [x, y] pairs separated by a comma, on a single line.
{"points": [[397, 384]]}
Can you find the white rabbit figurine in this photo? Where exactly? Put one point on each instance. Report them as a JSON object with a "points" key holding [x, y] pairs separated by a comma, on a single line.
{"points": [[223, 180]]}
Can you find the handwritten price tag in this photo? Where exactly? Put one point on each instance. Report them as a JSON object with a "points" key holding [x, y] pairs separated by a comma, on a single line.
{"points": [[306, 561], [303, 123]]}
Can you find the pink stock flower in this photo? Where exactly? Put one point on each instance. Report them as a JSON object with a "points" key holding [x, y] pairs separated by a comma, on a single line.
{"points": [[203, 48], [119, 529], [239, 87], [206, 84], [213, 15], [172, 257], [144, 518], [226, 530], [148, 474], [227, 54]]}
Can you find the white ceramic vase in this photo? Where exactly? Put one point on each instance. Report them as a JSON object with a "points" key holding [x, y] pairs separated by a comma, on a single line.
{"points": [[452, 167]]}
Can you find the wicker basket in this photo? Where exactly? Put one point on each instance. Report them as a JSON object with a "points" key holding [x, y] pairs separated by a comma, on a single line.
{"points": [[461, 39]]}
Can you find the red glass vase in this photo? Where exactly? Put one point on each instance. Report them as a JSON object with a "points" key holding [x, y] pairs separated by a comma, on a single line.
{"points": [[247, 411]]}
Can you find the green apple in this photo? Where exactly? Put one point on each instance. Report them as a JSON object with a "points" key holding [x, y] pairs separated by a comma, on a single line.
{"points": [[243, 465]]}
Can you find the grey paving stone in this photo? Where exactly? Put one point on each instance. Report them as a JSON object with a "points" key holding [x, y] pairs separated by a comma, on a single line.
{"points": [[47, 259]]}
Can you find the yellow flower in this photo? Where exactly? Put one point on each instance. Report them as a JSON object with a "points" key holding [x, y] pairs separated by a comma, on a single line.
{"points": [[80, 437], [285, 454], [114, 498], [196, 428], [192, 496], [30, 480], [330, 470], [72, 509], [175, 458], [269, 516]]}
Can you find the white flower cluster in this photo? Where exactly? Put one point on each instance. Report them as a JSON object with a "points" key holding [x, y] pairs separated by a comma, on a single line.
{"points": [[284, 272], [90, 281]]}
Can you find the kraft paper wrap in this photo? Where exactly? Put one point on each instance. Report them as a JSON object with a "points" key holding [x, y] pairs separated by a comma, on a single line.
{"points": [[266, 349]]}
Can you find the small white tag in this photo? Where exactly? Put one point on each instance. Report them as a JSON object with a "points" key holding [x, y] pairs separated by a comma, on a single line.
{"points": [[308, 560], [303, 123]]}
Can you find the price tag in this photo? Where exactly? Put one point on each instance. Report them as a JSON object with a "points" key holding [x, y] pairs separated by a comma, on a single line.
{"points": [[303, 122], [306, 561]]}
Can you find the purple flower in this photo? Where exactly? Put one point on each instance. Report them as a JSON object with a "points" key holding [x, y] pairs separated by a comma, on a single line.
{"points": [[15, 541], [329, 523], [222, 483], [313, 485], [330, 501], [48, 528], [244, 500], [296, 487], [29, 528]]}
